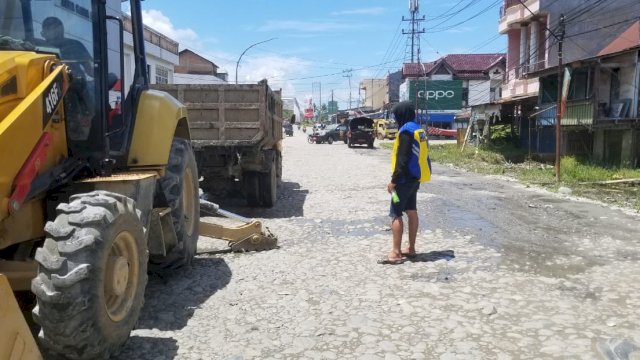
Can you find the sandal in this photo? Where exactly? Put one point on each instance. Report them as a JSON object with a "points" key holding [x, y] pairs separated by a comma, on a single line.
{"points": [[387, 261]]}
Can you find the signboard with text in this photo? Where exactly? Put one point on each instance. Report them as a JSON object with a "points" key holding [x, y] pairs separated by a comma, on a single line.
{"points": [[435, 95]]}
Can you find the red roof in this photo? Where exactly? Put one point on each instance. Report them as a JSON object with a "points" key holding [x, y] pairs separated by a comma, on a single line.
{"points": [[630, 38], [463, 66]]}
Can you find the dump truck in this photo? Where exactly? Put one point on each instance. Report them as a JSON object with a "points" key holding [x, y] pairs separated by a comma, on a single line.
{"points": [[385, 129], [91, 195], [236, 133]]}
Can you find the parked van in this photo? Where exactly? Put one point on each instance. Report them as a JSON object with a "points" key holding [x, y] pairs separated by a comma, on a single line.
{"points": [[385, 129]]}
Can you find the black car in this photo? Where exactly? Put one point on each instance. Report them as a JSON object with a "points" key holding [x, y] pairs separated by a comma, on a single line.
{"points": [[288, 129], [337, 132], [360, 132]]}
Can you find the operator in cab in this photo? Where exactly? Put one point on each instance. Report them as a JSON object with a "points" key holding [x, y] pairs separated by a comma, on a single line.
{"points": [[72, 51]]}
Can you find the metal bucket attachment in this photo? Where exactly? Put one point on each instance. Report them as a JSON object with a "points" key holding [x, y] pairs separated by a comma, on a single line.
{"points": [[248, 236]]}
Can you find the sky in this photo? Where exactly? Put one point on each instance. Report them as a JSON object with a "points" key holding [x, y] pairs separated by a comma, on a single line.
{"points": [[321, 41]]}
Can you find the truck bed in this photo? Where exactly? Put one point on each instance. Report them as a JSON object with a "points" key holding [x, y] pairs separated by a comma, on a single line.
{"points": [[224, 115]]}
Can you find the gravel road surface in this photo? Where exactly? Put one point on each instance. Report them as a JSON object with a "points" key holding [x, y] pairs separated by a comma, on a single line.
{"points": [[503, 272]]}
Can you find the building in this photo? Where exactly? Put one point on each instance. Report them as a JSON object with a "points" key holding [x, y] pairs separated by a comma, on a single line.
{"points": [[601, 63], [452, 83], [161, 53], [375, 92], [394, 80], [194, 64], [291, 106], [526, 42]]}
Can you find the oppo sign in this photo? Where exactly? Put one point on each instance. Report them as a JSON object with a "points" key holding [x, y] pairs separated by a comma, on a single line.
{"points": [[436, 94]]}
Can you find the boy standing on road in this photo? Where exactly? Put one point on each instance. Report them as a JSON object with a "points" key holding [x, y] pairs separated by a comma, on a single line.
{"points": [[411, 166]]}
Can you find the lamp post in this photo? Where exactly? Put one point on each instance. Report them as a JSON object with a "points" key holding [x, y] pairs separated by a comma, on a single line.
{"points": [[245, 50]]}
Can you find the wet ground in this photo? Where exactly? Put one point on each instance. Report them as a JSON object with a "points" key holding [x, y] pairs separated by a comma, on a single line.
{"points": [[503, 272]]}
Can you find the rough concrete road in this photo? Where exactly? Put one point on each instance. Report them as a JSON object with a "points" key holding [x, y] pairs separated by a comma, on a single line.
{"points": [[503, 272]]}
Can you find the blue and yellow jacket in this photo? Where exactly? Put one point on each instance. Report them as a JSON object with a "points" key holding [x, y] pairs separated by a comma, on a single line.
{"points": [[416, 163]]}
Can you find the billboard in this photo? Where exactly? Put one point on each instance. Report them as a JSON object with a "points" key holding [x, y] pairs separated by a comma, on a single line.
{"points": [[434, 95], [332, 107]]}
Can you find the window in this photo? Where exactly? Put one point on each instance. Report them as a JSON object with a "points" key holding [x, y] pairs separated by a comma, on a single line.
{"points": [[580, 86], [162, 74]]}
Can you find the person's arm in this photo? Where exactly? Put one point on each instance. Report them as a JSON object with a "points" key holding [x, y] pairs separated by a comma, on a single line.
{"points": [[402, 157]]}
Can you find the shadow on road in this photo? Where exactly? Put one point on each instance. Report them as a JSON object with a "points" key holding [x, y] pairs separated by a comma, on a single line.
{"points": [[432, 256], [151, 347], [290, 203], [171, 298]]}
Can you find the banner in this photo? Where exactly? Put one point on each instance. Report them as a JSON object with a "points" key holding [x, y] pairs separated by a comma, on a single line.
{"points": [[566, 81]]}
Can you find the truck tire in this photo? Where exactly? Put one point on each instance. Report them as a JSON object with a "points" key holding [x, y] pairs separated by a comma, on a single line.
{"points": [[92, 273], [251, 187], [279, 167], [179, 186], [370, 144], [330, 140], [269, 187], [349, 143]]}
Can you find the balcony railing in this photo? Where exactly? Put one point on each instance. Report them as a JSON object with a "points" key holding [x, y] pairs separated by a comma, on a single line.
{"points": [[507, 4], [578, 112]]}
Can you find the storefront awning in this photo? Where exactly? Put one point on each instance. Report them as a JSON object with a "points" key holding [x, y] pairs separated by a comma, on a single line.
{"points": [[437, 117]]}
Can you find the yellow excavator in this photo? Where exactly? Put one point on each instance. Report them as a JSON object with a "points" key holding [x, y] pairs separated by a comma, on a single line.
{"points": [[98, 182]]}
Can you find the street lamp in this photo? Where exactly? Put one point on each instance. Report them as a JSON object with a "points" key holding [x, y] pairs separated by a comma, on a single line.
{"points": [[245, 50]]}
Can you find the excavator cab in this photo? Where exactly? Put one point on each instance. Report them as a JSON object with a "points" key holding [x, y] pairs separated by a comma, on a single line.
{"points": [[102, 90]]}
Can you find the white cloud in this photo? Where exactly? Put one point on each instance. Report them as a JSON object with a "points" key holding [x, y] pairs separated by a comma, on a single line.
{"points": [[278, 70], [309, 26], [161, 23], [361, 11]]}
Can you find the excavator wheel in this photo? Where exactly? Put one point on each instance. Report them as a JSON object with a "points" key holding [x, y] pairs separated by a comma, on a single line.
{"points": [[179, 186], [92, 273]]}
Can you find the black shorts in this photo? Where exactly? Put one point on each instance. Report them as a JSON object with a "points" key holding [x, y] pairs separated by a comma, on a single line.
{"points": [[408, 194]]}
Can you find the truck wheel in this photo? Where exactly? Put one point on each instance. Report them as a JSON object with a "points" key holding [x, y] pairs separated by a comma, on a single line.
{"points": [[92, 273], [251, 188], [345, 140], [349, 143], [370, 144], [180, 188], [279, 167], [269, 186], [330, 140]]}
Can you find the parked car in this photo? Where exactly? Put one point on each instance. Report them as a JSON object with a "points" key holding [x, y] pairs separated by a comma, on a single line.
{"points": [[288, 129], [322, 135], [360, 132], [337, 132]]}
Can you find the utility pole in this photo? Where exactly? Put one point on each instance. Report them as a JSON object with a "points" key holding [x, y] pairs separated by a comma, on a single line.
{"points": [[560, 38], [415, 25], [348, 75], [559, 103]]}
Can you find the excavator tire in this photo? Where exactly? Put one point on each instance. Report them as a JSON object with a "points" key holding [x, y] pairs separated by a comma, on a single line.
{"points": [[179, 186], [92, 273]]}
